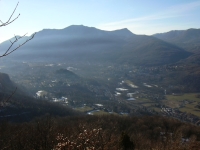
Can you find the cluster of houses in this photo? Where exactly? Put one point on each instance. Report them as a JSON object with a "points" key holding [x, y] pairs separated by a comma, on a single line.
{"points": [[62, 99], [44, 95], [183, 116]]}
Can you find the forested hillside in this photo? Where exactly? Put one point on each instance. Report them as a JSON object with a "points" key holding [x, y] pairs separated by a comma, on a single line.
{"points": [[100, 132]]}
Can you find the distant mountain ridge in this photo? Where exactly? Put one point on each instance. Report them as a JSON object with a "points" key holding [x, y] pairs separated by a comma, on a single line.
{"points": [[81, 43], [187, 39], [152, 51]]}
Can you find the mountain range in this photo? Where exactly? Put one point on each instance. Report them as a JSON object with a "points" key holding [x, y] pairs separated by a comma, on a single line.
{"points": [[81, 43], [186, 39]]}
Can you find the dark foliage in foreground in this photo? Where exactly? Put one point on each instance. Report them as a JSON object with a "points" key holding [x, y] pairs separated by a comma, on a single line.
{"points": [[100, 132]]}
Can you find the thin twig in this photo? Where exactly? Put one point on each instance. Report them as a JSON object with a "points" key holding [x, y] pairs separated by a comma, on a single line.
{"points": [[9, 51], [11, 95], [9, 21]]}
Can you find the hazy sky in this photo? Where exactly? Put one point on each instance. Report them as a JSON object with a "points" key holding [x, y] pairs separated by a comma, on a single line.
{"points": [[139, 16]]}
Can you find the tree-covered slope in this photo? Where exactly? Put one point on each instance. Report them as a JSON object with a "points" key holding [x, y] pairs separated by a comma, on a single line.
{"points": [[187, 39]]}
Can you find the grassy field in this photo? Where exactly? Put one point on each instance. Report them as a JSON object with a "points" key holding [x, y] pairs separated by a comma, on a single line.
{"points": [[190, 108], [155, 108], [189, 96], [84, 109], [101, 113], [185, 103], [107, 113], [189, 101], [143, 100], [148, 104], [176, 101]]}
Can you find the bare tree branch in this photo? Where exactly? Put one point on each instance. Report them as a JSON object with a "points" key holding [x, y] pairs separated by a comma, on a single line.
{"points": [[16, 39], [10, 20], [11, 95], [10, 50]]}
